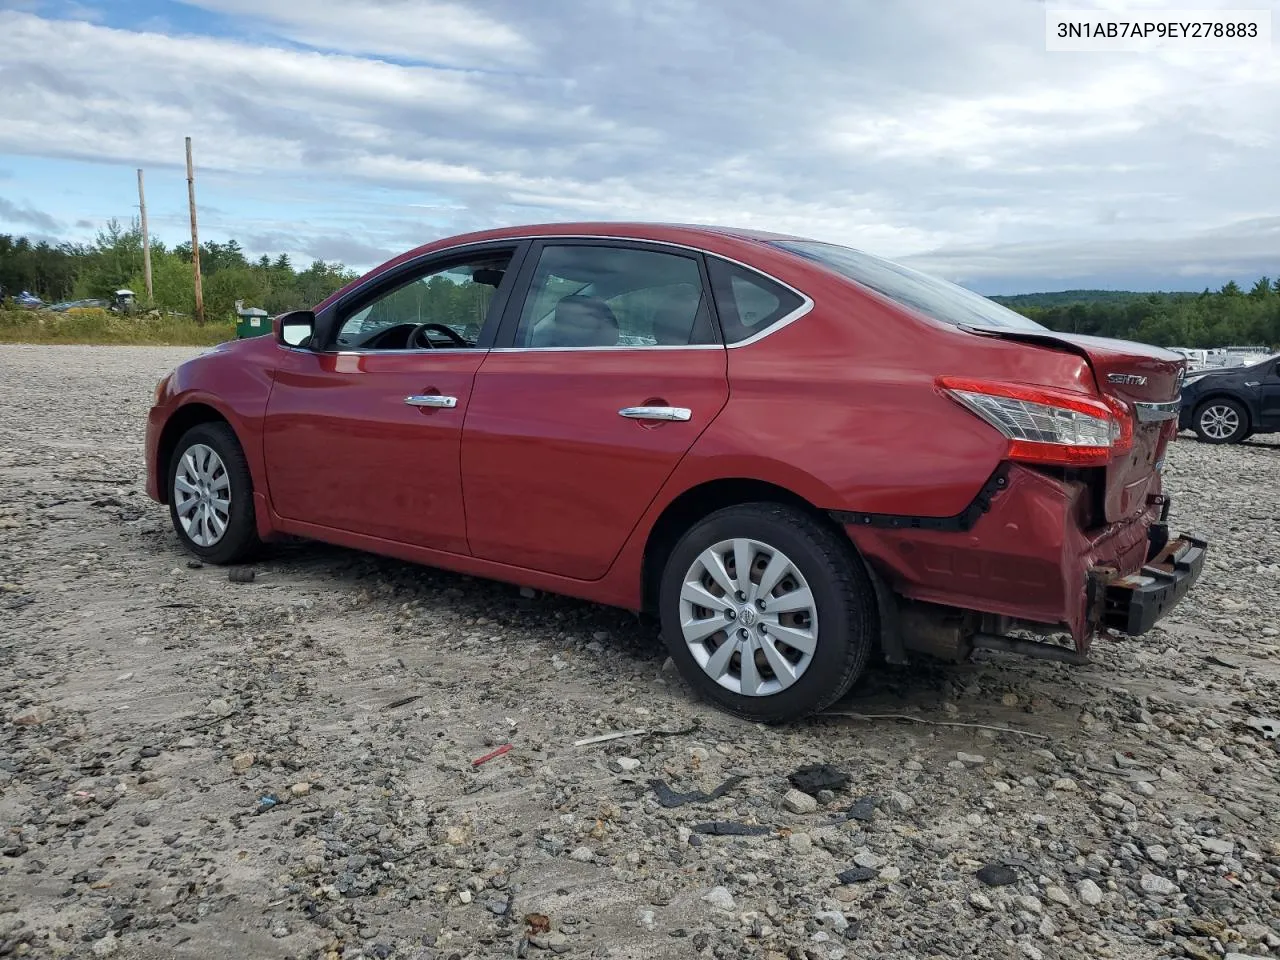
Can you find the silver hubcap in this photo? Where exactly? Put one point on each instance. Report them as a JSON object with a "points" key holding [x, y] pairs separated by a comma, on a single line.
{"points": [[749, 617], [202, 493], [1219, 422]]}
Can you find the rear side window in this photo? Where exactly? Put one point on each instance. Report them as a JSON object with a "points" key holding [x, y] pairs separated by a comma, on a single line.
{"points": [[749, 303], [935, 298], [583, 295]]}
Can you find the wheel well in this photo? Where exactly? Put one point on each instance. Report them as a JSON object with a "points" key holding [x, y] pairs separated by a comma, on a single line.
{"points": [[183, 419], [700, 501], [1224, 395]]}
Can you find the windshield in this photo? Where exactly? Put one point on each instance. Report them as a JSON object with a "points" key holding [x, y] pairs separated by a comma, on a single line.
{"points": [[934, 298]]}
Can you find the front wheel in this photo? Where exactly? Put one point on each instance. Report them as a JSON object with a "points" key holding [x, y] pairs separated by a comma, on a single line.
{"points": [[211, 495], [1221, 420], [767, 612]]}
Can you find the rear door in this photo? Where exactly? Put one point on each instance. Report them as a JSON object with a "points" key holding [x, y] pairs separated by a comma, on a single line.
{"points": [[1269, 395], [364, 435], [606, 370]]}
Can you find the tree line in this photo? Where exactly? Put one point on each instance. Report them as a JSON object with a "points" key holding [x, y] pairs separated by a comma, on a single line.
{"points": [[1211, 318], [67, 271], [113, 261]]}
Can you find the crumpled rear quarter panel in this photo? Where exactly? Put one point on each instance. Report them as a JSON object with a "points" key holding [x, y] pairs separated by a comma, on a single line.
{"points": [[1028, 557]]}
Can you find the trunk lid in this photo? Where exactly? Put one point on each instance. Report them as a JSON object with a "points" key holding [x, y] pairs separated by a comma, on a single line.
{"points": [[1136, 374]]}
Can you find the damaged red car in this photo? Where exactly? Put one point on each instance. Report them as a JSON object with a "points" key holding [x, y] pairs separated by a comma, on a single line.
{"points": [[796, 454]]}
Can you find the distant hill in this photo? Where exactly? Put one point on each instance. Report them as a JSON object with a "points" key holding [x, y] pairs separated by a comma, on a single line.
{"points": [[1062, 298]]}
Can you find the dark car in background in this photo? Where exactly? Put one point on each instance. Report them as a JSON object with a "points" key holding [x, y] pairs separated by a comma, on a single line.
{"points": [[1228, 406]]}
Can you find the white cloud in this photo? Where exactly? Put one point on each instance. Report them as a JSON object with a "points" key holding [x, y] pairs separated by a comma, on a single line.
{"points": [[423, 30], [940, 130], [1237, 249]]}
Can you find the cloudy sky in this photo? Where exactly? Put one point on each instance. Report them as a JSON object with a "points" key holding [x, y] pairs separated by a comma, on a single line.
{"points": [[937, 131]]}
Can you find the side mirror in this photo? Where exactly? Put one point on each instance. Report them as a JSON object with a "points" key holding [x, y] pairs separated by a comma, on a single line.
{"points": [[294, 329]]}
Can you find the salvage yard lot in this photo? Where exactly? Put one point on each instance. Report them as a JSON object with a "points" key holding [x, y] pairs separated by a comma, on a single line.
{"points": [[149, 707]]}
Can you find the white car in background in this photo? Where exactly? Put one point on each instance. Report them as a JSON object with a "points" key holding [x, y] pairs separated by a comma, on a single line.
{"points": [[1227, 357], [1196, 359]]}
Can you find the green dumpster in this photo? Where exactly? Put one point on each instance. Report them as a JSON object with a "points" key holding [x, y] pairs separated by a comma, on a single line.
{"points": [[252, 322]]}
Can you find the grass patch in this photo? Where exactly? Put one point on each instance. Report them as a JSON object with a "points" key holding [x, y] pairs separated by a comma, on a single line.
{"points": [[107, 328]]}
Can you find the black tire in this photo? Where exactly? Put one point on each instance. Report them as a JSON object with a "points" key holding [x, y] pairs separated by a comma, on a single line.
{"points": [[842, 593], [1221, 405], [239, 541]]}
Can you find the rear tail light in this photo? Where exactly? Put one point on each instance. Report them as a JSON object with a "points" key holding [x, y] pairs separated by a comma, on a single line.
{"points": [[1047, 425], [1124, 417]]}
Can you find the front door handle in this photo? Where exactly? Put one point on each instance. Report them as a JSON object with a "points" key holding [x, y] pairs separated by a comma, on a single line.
{"points": [[656, 413], [432, 400]]}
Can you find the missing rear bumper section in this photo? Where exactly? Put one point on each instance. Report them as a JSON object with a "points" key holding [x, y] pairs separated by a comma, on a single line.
{"points": [[1023, 561], [1126, 604]]}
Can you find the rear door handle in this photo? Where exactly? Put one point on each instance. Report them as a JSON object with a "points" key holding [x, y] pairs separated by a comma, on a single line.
{"points": [[431, 400], [656, 413]]}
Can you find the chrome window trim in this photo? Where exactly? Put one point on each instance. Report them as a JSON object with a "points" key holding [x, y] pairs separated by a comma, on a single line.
{"points": [[1155, 412], [806, 302], [400, 353], [380, 353], [616, 348]]}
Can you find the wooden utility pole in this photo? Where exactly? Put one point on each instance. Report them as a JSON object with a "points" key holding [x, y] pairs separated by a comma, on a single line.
{"points": [[195, 236], [146, 240]]}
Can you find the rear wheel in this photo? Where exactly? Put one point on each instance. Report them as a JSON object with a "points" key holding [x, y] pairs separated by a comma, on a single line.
{"points": [[766, 612], [211, 495], [1221, 420]]}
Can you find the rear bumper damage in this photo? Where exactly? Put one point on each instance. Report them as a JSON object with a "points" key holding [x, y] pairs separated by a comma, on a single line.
{"points": [[1027, 562], [1132, 604]]}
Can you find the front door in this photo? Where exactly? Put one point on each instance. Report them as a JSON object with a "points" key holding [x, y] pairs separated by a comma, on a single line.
{"points": [[605, 372], [364, 436]]}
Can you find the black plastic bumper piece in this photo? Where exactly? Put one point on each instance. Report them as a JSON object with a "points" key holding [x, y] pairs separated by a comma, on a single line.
{"points": [[962, 521], [1134, 604]]}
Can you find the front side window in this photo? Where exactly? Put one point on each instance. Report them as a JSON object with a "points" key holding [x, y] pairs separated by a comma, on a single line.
{"points": [[442, 308], [935, 298], [607, 296]]}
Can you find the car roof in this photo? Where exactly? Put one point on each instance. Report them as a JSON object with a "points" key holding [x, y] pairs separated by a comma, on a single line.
{"points": [[631, 229], [699, 236]]}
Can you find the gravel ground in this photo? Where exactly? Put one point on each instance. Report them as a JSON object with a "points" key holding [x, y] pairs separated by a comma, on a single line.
{"points": [[192, 767]]}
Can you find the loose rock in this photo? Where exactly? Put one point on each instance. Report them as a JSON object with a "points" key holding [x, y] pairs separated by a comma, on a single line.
{"points": [[1158, 885], [1089, 892], [32, 717], [899, 802], [997, 875], [720, 898], [798, 802]]}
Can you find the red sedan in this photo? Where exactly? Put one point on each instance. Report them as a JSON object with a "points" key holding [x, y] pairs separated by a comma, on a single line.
{"points": [[796, 453]]}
